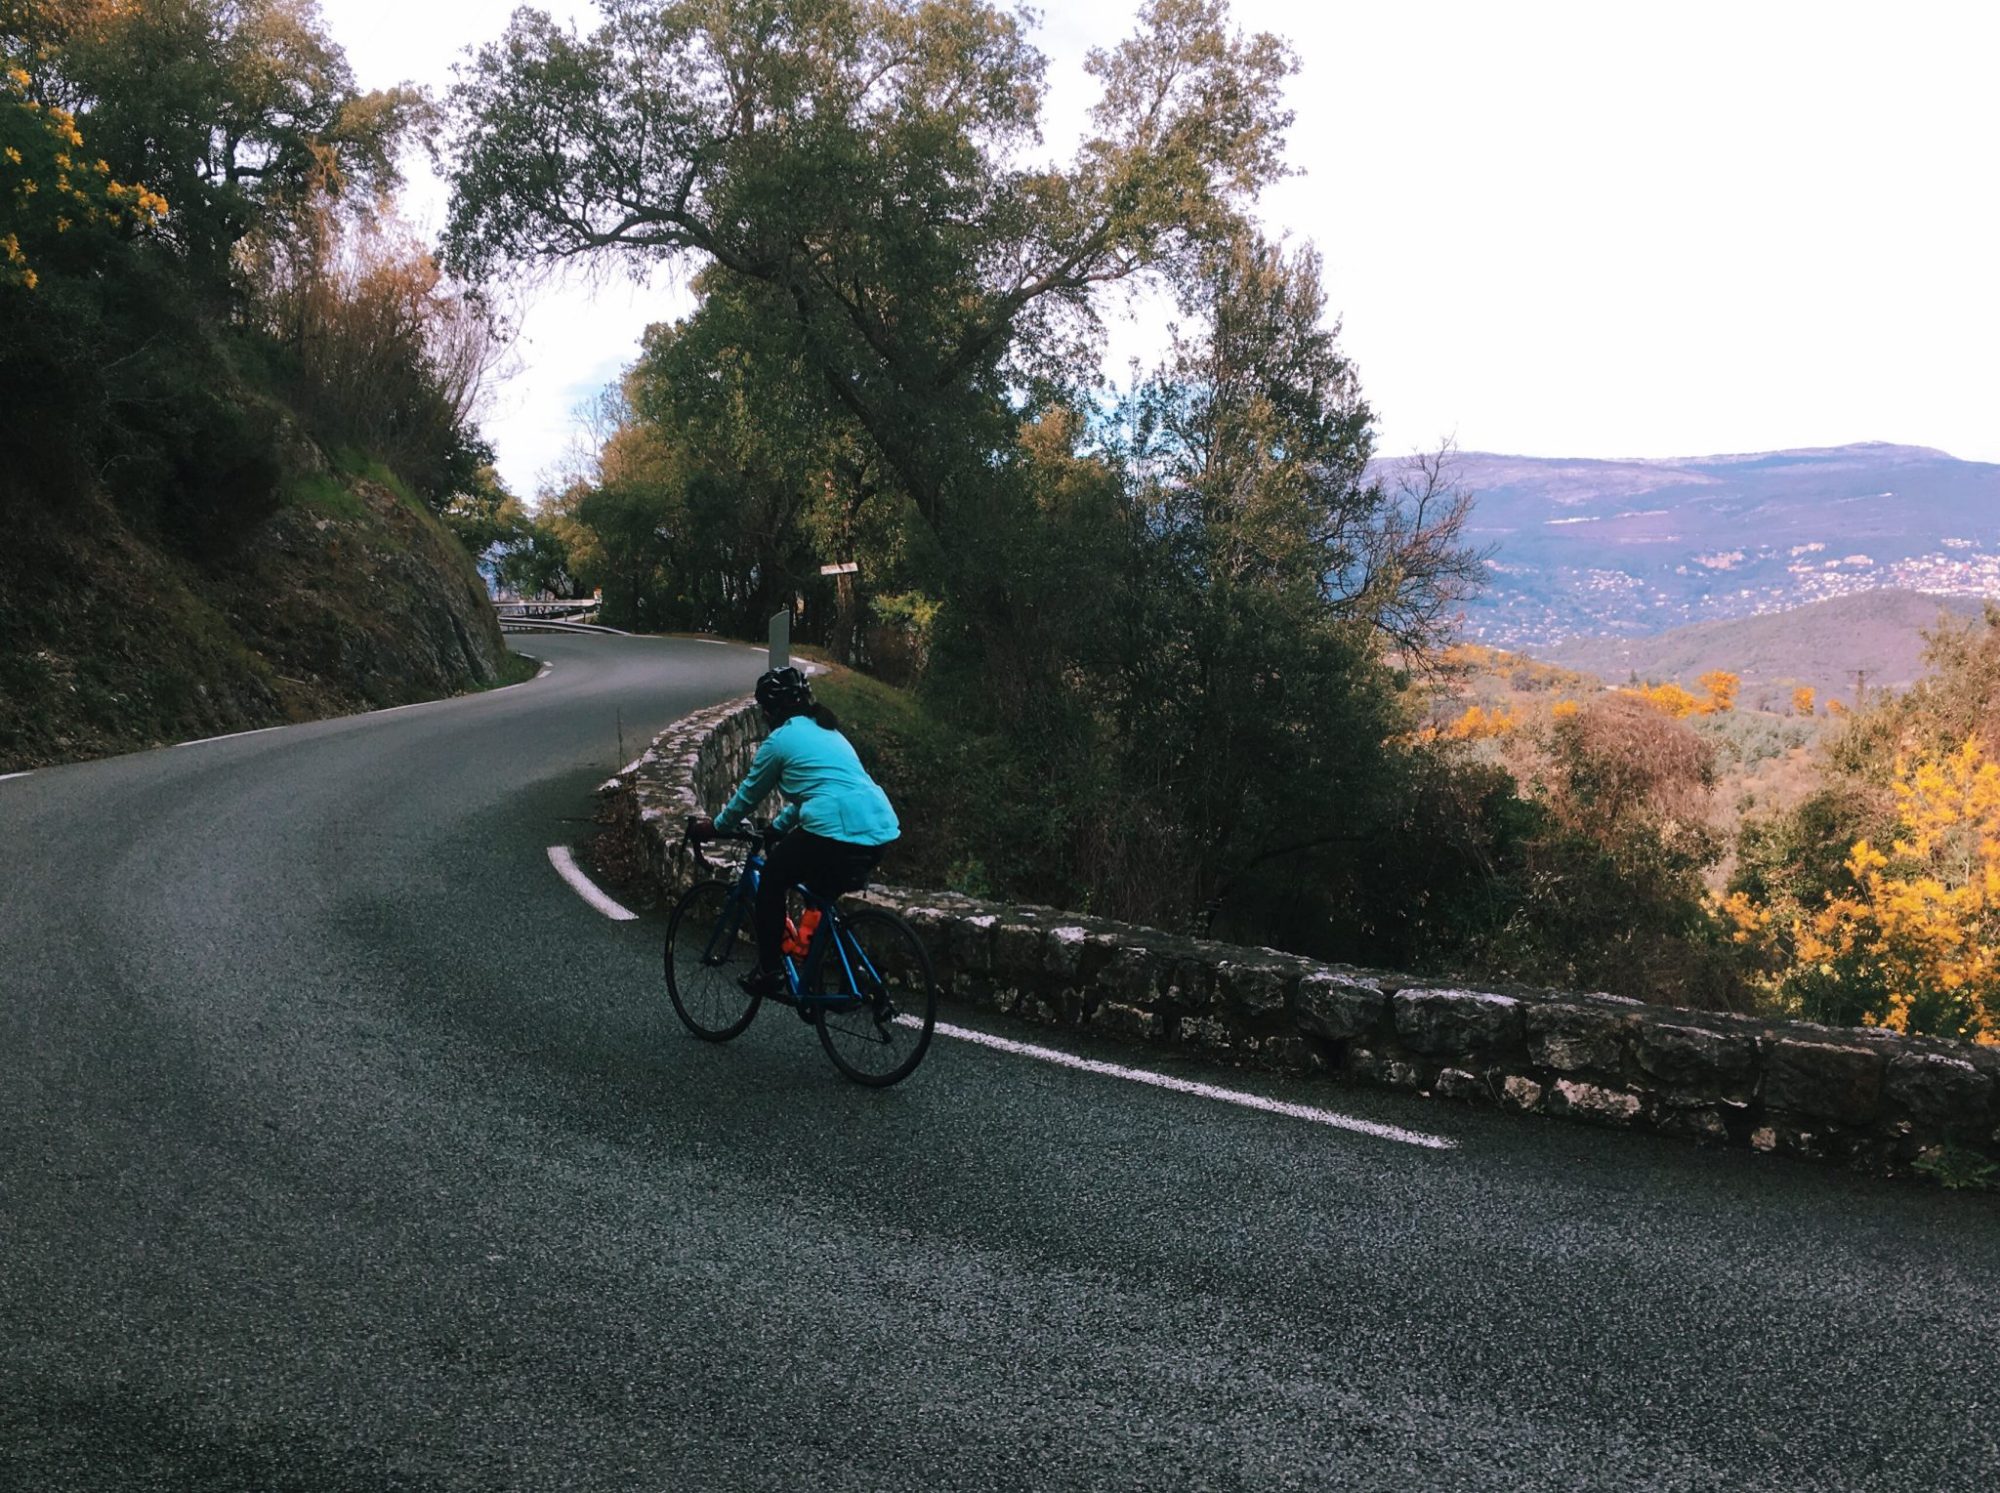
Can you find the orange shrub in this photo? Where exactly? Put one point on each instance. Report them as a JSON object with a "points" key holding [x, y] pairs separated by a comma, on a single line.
{"points": [[1668, 699], [1721, 687]]}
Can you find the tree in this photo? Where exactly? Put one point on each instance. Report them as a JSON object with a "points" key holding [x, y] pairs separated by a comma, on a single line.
{"points": [[1275, 575], [135, 364], [1719, 688], [386, 355], [1607, 891], [238, 112], [1802, 700], [865, 162]]}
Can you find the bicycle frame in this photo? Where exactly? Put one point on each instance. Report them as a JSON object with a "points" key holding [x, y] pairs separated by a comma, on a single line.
{"points": [[799, 976]]}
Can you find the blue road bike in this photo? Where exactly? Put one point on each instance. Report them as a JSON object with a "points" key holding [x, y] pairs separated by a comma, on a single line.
{"points": [[864, 980]]}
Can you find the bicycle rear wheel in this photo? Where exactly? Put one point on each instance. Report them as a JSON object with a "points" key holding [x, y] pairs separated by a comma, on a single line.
{"points": [[710, 943], [880, 1037]]}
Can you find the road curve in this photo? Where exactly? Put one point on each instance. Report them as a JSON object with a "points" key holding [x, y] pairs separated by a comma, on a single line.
{"points": [[343, 1147]]}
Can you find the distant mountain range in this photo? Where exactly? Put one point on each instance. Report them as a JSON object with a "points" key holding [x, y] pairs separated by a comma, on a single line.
{"points": [[1626, 548], [1842, 647]]}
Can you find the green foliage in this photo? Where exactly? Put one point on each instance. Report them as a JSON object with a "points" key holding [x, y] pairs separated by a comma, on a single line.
{"points": [[1960, 1168], [861, 169]]}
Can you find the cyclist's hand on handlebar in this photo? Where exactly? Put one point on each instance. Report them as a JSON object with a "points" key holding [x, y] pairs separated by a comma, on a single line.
{"points": [[700, 829]]}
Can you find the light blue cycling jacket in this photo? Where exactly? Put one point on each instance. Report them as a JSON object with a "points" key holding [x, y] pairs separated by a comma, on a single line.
{"points": [[830, 791]]}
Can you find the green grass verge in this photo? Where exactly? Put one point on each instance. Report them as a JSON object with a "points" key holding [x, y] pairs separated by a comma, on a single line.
{"points": [[515, 668], [325, 493]]}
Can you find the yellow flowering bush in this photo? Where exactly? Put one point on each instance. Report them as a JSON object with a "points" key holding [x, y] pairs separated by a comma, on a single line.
{"points": [[1912, 941], [1668, 699], [49, 186], [1480, 724]]}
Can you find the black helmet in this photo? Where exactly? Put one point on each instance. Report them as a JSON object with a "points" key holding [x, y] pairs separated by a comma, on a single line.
{"points": [[783, 693]]}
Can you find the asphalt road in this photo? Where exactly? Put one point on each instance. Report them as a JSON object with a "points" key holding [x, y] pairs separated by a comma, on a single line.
{"points": [[343, 1147]]}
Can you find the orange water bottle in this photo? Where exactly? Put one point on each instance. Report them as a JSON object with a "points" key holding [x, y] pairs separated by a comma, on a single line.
{"points": [[799, 936]]}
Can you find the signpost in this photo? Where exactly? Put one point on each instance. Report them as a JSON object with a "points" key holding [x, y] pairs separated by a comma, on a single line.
{"points": [[781, 641], [843, 572]]}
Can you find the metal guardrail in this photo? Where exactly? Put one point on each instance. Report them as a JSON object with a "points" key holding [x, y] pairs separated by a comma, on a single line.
{"points": [[555, 624], [560, 610]]}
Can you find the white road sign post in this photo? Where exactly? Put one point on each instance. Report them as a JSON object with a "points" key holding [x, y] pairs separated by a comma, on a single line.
{"points": [[781, 641]]}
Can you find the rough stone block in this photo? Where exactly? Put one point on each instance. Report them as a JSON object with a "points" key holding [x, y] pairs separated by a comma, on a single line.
{"points": [[1290, 1055], [1063, 952], [1940, 1089], [1694, 1058], [1833, 1080], [1704, 1122], [1518, 1092], [1129, 977], [1788, 1140], [1257, 990], [1576, 1037], [1593, 1102], [1187, 984], [1208, 1033], [1117, 1020], [1329, 1003], [971, 942], [1458, 1083], [1041, 1009], [1364, 1065], [1017, 951], [1451, 1022]]}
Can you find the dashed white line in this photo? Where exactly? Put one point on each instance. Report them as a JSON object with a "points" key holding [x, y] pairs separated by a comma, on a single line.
{"points": [[1199, 1090], [584, 887]]}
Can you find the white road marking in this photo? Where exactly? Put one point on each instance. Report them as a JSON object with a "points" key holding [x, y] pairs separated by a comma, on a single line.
{"points": [[205, 740], [1200, 1090], [584, 887], [6, 775], [543, 671]]}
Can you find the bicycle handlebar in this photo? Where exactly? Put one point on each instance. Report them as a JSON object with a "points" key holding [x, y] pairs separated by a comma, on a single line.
{"points": [[751, 836]]}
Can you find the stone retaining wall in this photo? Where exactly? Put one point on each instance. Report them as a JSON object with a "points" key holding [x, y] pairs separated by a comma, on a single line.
{"points": [[1865, 1098]]}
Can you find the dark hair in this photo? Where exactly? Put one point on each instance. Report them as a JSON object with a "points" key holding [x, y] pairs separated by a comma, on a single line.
{"points": [[823, 717]]}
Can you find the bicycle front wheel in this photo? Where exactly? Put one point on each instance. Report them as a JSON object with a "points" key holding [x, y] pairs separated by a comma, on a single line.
{"points": [[881, 1002], [710, 943]]}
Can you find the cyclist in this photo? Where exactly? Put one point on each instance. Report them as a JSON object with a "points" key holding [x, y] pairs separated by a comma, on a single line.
{"points": [[835, 827]]}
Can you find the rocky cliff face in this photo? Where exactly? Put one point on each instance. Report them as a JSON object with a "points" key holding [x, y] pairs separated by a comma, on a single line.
{"points": [[349, 597]]}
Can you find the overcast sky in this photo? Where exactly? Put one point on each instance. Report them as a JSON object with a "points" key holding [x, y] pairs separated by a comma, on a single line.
{"points": [[1583, 229]]}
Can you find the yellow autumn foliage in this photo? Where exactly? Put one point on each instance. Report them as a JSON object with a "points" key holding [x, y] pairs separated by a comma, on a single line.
{"points": [[1480, 724], [1668, 699], [1720, 687], [45, 189], [1913, 941]]}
